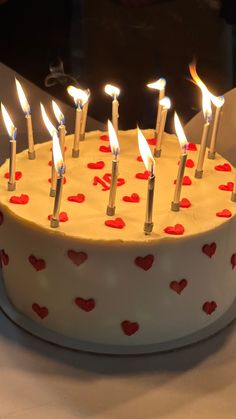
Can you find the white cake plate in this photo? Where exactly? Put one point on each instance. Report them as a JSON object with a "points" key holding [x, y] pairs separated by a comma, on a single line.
{"points": [[75, 344]]}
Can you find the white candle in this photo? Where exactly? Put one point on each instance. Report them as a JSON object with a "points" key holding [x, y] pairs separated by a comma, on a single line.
{"points": [[80, 98], [12, 134], [26, 109], [206, 105], [183, 157], [60, 170], [115, 168], [62, 129], [84, 118], [159, 85], [165, 104], [218, 102], [114, 92]]}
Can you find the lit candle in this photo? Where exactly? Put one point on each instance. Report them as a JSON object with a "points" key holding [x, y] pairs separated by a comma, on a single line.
{"points": [[165, 105], [84, 117], [115, 167], [51, 130], [80, 98], [12, 161], [233, 195], [26, 109], [61, 129], [148, 161], [206, 106], [159, 85], [218, 102], [114, 92], [60, 171], [183, 157]]}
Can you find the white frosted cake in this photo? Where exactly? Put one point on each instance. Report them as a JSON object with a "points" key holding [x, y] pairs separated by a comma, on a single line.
{"points": [[100, 279]]}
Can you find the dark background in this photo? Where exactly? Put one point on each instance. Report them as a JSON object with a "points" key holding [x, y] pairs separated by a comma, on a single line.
{"points": [[124, 42]]}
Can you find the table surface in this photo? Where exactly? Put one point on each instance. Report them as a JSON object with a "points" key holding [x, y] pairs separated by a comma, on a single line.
{"points": [[42, 381]]}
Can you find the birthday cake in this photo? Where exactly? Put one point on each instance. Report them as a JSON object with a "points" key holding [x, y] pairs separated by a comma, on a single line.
{"points": [[100, 279]]}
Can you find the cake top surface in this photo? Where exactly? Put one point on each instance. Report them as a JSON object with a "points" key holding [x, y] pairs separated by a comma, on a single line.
{"points": [[88, 180]]}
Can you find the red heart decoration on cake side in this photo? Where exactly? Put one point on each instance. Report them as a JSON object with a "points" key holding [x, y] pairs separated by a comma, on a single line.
{"points": [[105, 149], [209, 307], [1, 218], [186, 181], [225, 213], [63, 217], [228, 187], [178, 287], [77, 257], [144, 175], [177, 230], [129, 328], [139, 158], [185, 203], [21, 200], [85, 305], [116, 223], [223, 167], [64, 180], [191, 147], [189, 163], [38, 264], [104, 137], [42, 312], [209, 249], [4, 258], [233, 260], [134, 197], [144, 262], [18, 175], [98, 165], [152, 141], [80, 197]]}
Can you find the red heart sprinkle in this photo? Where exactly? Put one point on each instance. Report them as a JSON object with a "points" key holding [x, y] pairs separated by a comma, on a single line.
{"points": [[185, 203], [132, 198], [77, 257], [191, 147], [99, 165], [42, 312], [228, 187], [105, 149], [80, 197], [176, 230], [233, 260], [97, 180], [189, 163], [22, 199], [179, 286], [86, 305], [152, 141], [4, 258], [144, 262], [18, 175], [224, 213], [129, 328], [223, 167], [1, 218], [116, 223], [139, 158], [38, 264], [209, 249], [209, 307], [107, 178], [144, 175], [186, 181], [104, 137], [64, 180], [50, 163], [63, 217]]}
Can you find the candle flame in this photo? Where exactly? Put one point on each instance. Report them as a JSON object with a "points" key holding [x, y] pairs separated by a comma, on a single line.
{"points": [[47, 121], [80, 96], [165, 102], [58, 113], [22, 98], [112, 90], [218, 101], [115, 148], [57, 155], [160, 84], [180, 132], [146, 152], [8, 123]]}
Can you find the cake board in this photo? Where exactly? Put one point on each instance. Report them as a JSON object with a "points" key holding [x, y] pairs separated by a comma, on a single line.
{"points": [[79, 345]]}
